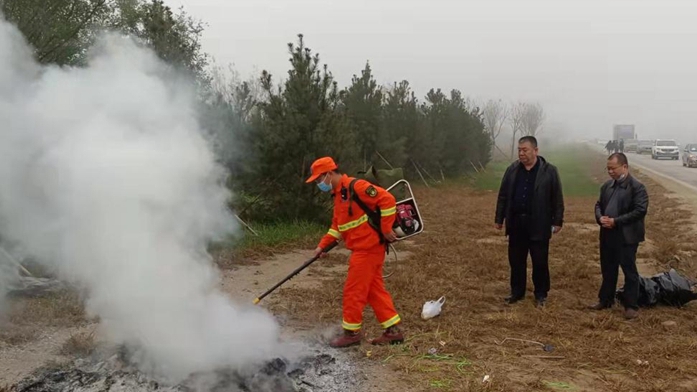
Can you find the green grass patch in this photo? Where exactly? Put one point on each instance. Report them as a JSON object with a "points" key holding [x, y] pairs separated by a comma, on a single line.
{"points": [[267, 237], [570, 161], [491, 179], [281, 233], [561, 386], [574, 171]]}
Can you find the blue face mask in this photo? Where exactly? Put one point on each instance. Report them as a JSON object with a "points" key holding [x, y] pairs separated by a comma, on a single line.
{"points": [[324, 187]]}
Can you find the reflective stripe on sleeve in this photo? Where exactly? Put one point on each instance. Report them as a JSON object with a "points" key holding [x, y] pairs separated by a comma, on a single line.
{"points": [[353, 224], [389, 211], [334, 234]]}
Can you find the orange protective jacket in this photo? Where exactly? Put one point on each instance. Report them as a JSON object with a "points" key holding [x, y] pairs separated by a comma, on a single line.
{"points": [[354, 229]]}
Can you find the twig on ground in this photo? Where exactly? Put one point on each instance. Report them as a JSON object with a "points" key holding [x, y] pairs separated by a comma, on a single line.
{"points": [[519, 340]]}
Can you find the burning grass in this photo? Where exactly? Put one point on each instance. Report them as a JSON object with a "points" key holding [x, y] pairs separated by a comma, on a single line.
{"points": [[464, 258]]}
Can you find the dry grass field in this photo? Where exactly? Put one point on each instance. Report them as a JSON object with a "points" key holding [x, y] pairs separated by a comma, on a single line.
{"points": [[462, 257]]}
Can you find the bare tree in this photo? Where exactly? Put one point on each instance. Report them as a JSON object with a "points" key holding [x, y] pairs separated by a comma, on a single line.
{"points": [[533, 118], [227, 86], [224, 81], [495, 113], [517, 119]]}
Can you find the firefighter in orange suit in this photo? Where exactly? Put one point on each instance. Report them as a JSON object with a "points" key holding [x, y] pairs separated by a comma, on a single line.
{"points": [[364, 284]]}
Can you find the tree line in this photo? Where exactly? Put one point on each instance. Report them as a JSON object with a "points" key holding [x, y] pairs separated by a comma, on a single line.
{"points": [[267, 133], [284, 127]]}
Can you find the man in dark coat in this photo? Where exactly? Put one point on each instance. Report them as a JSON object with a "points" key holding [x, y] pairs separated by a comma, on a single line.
{"points": [[531, 204], [609, 147], [620, 213]]}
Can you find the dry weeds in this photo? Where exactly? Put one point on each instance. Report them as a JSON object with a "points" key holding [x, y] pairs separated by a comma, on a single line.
{"points": [[464, 258], [80, 344], [28, 317]]}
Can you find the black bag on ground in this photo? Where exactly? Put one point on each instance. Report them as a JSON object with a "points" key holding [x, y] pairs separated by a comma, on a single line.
{"points": [[675, 289], [667, 288], [648, 293]]}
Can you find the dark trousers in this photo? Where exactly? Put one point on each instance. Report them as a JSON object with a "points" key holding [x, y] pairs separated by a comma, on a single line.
{"points": [[519, 246], [615, 254]]}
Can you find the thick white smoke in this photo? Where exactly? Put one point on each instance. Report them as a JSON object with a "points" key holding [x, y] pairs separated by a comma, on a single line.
{"points": [[104, 173]]}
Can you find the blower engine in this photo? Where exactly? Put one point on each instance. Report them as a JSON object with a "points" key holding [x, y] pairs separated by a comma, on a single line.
{"points": [[408, 221]]}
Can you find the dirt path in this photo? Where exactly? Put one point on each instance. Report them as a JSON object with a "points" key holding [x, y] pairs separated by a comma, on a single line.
{"points": [[244, 282], [21, 353], [250, 278]]}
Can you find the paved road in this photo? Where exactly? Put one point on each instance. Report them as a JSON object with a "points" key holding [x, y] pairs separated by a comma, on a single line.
{"points": [[673, 169]]}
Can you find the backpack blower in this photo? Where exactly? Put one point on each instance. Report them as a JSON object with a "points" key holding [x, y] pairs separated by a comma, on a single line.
{"points": [[408, 223]]}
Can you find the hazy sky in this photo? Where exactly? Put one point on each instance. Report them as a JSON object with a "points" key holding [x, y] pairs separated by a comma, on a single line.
{"points": [[591, 63]]}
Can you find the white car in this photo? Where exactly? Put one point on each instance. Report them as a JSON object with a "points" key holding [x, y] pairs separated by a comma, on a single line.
{"points": [[665, 148]]}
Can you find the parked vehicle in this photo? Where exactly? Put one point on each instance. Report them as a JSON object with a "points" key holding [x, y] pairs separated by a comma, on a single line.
{"points": [[644, 146], [665, 148], [631, 145], [689, 155]]}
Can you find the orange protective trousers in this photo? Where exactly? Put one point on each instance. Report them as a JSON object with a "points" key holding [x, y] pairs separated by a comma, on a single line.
{"points": [[365, 285]]}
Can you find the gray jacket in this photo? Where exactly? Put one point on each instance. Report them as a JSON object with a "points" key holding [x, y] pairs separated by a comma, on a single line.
{"points": [[632, 205]]}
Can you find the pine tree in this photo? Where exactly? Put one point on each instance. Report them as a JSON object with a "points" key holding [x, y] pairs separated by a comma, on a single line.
{"points": [[362, 103], [400, 124], [300, 122]]}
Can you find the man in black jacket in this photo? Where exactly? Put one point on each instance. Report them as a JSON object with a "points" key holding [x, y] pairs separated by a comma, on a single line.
{"points": [[620, 212], [532, 205]]}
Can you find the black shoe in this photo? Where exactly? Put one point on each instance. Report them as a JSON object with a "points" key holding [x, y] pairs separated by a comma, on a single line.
{"points": [[511, 299], [540, 302]]}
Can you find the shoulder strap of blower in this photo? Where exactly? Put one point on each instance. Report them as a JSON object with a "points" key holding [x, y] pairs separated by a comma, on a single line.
{"points": [[373, 216]]}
